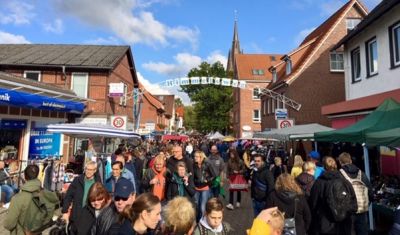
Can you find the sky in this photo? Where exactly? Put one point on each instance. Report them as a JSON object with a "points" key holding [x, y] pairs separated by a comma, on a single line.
{"points": [[167, 37]]}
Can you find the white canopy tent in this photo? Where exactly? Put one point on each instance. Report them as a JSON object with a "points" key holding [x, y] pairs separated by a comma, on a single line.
{"points": [[216, 136], [305, 131]]}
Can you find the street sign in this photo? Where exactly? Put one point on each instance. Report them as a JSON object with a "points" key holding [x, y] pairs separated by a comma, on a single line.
{"points": [[281, 114], [119, 122], [285, 123]]}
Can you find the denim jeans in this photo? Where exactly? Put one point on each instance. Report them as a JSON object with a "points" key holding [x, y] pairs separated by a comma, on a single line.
{"points": [[9, 192], [360, 222], [258, 207], [201, 198]]}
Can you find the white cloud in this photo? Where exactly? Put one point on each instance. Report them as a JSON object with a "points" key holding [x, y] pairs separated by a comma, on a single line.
{"points": [[159, 89], [16, 12], [12, 38], [55, 27], [119, 17], [103, 41], [301, 35], [184, 62]]}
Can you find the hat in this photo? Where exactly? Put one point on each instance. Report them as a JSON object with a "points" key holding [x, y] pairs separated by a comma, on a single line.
{"points": [[314, 155], [123, 188]]}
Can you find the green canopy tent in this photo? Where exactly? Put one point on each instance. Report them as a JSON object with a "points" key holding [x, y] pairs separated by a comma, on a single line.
{"points": [[384, 118], [390, 138]]}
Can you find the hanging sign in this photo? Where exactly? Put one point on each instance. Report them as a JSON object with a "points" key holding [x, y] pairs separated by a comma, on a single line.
{"points": [[205, 81], [119, 122], [116, 89], [43, 144], [285, 123]]}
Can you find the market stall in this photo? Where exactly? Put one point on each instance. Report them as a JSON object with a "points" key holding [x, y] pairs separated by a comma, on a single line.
{"points": [[181, 138]]}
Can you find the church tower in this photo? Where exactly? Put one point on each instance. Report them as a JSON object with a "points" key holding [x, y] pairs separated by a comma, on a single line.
{"points": [[235, 49]]}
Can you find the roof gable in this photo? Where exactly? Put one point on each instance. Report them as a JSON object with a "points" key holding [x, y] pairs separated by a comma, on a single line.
{"points": [[310, 45]]}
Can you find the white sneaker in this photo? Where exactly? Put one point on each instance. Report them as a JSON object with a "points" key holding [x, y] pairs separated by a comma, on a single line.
{"points": [[230, 206], [237, 204]]}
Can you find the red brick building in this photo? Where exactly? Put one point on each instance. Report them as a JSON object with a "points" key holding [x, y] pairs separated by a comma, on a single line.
{"points": [[311, 74], [87, 70]]}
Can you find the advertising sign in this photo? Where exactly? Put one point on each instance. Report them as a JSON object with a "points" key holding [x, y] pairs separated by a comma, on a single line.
{"points": [[150, 126], [281, 114], [116, 90], [43, 144], [285, 123], [119, 122]]}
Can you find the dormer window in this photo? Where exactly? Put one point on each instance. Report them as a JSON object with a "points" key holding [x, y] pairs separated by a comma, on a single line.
{"points": [[257, 72], [351, 23], [288, 64]]}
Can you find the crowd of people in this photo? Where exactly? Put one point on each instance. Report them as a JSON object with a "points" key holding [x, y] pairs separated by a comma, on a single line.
{"points": [[175, 188]]}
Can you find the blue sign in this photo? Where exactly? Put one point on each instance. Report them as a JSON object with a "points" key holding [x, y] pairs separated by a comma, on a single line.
{"points": [[27, 100], [12, 124], [44, 144]]}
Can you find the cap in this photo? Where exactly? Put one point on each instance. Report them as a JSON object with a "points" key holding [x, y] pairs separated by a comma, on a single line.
{"points": [[314, 155], [123, 188]]}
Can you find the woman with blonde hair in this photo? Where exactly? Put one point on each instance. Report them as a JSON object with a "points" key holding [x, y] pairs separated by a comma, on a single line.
{"points": [[179, 217], [289, 198], [297, 166], [154, 180]]}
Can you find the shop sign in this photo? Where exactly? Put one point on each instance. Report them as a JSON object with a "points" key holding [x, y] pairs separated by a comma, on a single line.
{"points": [[43, 144], [116, 89], [12, 124], [94, 121], [119, 122], [281, 114], [285, 123], [151, 126]]}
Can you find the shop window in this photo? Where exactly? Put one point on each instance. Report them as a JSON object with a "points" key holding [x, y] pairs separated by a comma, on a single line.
{"points": [[394, 37], [79, 84], [371, 47], [256, 115], [336, 62], [355, 65], [33, 75]]}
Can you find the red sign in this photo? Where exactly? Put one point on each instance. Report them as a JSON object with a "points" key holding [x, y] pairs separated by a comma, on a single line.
{"points": [[118, 122], [285, 123]]}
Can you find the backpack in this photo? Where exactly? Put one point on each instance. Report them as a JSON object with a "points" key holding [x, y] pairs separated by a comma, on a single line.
{"points": [[361, 191], [340, 199], [39, 213], [289, 227]]}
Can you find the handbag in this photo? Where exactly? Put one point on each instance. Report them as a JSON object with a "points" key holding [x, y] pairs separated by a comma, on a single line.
{"points": [[289, 227], [237, 182]]}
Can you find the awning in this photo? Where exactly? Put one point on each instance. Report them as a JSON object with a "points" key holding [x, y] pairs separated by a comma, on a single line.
{"points": [[175, 137], [305, 131], [390, 138], [384, 118], [35, 101], [85, 130]]}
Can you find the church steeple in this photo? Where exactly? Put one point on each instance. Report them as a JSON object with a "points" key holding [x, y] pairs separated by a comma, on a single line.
{"points": [[235, 49]]}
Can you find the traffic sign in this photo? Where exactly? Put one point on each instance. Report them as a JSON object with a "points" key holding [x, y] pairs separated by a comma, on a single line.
{"points": [[285, 123], [119, 122]]}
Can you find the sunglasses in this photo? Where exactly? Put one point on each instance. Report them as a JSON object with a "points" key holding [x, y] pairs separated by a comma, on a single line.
{"points": [[117, 199]]}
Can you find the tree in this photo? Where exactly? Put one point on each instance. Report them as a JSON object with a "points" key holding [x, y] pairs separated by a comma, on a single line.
{"points": [[178, 102], [212, 103], [189, 119]]}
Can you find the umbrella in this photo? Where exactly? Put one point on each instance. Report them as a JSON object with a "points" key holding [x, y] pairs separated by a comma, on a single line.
{"points": [[229, 138]]}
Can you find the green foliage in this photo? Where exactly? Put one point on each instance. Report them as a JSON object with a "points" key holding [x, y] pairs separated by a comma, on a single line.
{"points": [[212, 103], [178, 102], [189, 119]]}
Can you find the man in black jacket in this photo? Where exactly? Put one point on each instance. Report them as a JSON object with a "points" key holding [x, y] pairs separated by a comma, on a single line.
{"points": [[179, 157], [360, 219], [262, 183], [77, 194]]}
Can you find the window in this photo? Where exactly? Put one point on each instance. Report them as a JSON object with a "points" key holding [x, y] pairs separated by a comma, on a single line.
{"points": [[336, 62], [273, 58], [123, 100], [352, 23], [355, 65], [264, 107], [256, 93], [79, 84], [288, 66], [258, 72], [274, 76], [371, 52], [269, 110], [394, 37], [256, 115], [33, 75]]}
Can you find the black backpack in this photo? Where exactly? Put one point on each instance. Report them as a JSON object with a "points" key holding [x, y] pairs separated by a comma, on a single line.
{"points": [[340, 199]]}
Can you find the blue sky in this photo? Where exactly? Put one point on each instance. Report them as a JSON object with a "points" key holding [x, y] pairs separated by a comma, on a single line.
{"points": [[168, 37]]}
